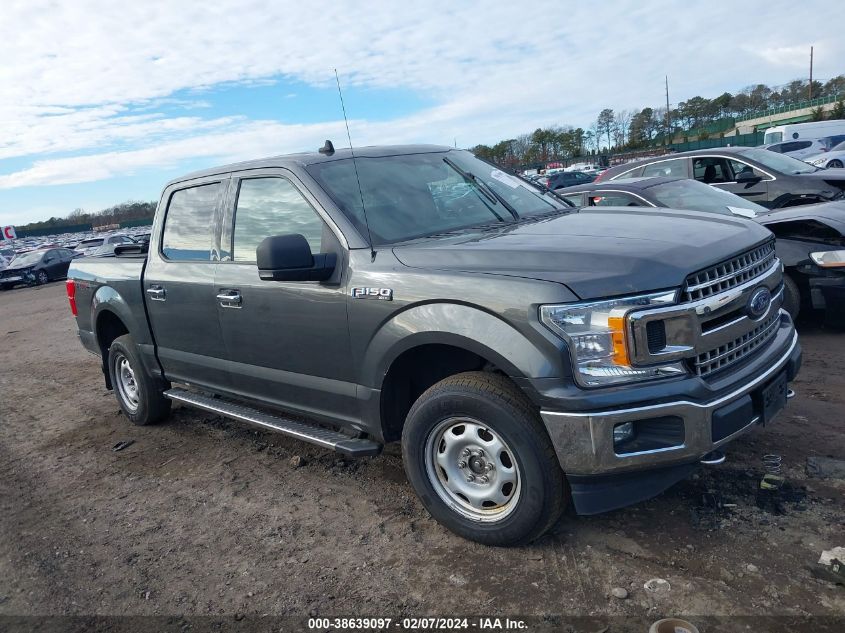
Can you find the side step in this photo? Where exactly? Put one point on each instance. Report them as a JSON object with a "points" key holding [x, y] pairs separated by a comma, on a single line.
{"points": [[318, 435]]}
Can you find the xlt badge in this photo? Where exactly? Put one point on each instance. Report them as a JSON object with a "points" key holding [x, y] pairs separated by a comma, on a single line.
{"points": [[383, 294]]}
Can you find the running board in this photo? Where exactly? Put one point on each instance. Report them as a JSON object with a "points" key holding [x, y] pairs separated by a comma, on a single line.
{"points": [[318, 435]]}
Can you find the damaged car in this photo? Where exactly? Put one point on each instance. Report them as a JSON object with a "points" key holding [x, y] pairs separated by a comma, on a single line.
{"points": [[810, 238], [772, 180]]}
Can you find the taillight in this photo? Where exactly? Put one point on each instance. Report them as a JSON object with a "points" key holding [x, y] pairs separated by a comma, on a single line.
{"points": [[71, 295]]}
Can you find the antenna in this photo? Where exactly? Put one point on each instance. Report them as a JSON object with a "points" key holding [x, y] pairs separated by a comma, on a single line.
{"points": [[355, 165]]}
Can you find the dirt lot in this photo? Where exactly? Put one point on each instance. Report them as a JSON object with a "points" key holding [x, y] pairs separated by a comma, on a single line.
{"points": [[204, 516]]}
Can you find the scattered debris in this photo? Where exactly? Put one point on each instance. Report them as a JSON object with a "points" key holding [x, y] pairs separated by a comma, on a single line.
{"points": [[457, 580], [829, 555], [122, 444], [672, 625], [752, 568], [619, 592], [657, 585], [832, 566], [165, 463], [826, 467], [297, 461], [772, 463], [774, 491]]}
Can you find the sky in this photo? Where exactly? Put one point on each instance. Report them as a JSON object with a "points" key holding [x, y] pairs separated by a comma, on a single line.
{"points": [[103, 102]]}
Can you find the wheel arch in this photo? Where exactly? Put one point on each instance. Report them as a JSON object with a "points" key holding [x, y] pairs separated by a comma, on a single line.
{"points": [[444, 339]]}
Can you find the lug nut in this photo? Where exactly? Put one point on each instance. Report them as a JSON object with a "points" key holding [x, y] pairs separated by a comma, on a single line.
{"points": [[462, 464], [485, 479], [470, 478], [466, 452], [480, 453], [489, 466]]}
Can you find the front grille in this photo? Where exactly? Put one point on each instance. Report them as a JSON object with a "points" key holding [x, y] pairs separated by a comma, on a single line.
{"points": [[708, 363], [729, 274]]}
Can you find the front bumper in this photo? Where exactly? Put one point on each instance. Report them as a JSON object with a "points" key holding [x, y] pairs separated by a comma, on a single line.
{"points": [[585, 445]]}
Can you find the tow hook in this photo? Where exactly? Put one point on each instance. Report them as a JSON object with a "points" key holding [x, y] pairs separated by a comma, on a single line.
{"points": [[790, 394], [713, 458]]}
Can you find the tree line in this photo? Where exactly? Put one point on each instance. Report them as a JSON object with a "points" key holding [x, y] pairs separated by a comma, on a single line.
{"points": [[638, 129], [123, 212]]}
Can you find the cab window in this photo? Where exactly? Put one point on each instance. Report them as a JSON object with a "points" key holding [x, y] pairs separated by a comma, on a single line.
{"points": [[189, 222], [272, 206]]}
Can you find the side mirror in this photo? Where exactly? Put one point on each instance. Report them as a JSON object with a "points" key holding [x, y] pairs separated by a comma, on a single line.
{"points": [[288, 258], [747, 177]]}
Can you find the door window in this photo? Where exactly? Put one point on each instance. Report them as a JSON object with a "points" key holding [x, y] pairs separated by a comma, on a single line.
{"points": [[737, 166], [674, 167], [711, 169], [272, 206], [600, 199], [189, 222]]}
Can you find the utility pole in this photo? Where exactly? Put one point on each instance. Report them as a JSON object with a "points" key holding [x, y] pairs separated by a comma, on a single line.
{"points": [[811, 73], [668, 120]]}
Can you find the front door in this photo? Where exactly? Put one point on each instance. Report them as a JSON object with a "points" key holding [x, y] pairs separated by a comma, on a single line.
{"points": [[287, 341], [721, 172], [179, 287]]}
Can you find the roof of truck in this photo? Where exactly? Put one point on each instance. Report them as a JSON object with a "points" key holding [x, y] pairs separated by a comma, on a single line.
{"points": [[309, 158]]}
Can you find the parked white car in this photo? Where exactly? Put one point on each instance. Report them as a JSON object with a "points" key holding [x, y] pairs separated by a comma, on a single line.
{"points": [[797, 149], [834, 159]]}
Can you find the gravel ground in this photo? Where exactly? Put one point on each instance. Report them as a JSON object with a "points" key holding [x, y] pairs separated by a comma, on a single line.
{"points": [[202, 516]]}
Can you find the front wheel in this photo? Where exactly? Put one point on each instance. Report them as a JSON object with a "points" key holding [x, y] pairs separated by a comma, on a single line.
{"points": [[835, 164], [481, 461], [140, 396], [41, 277]]}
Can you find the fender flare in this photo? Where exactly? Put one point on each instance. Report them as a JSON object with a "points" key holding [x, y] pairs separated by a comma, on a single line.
{"points": [[458, 325]]}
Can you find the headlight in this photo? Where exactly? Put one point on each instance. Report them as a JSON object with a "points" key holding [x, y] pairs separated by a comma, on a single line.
{"points": [[829, 259], [597, 333]]}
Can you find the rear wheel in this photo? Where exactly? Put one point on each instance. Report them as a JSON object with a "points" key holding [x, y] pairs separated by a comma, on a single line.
{"points": [[791, 297], [139, 395], [481, 462], [835, 164]]}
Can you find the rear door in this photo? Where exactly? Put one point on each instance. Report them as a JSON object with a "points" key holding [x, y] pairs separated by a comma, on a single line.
{"points": [[287, 341], [179, 284]]}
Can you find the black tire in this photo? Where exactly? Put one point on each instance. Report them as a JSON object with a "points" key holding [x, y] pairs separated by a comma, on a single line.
{"points": [[501, 408], [41, 277], [835, 164], [144, 404], [791, 297]]}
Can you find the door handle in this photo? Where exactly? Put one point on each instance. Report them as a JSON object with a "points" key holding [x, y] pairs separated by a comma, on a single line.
{"points": [[157, 293], [230, 299]]}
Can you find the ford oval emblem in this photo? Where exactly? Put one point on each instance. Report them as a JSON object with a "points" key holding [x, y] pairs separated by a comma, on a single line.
{"points": [[759, 303]]}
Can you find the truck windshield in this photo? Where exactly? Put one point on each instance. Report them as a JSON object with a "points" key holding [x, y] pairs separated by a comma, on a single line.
{"points": [[417, 195]]}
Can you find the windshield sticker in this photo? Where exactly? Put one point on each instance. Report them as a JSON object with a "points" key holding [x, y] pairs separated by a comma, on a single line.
{"points": [[506, 179], [746, 213]]}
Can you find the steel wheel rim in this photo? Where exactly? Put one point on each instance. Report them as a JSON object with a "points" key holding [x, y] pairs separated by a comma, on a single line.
{"points": [[472, 469], [127, 386]]}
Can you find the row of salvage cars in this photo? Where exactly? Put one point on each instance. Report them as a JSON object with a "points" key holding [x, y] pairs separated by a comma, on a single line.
{"points": [[804, 207]]}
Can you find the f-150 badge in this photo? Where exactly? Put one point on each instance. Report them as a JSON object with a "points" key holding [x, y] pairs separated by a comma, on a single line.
{"points": [[382, 294]]}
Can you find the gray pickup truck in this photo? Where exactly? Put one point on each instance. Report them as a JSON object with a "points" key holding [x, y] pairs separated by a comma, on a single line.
{"points": [[526, 353]]}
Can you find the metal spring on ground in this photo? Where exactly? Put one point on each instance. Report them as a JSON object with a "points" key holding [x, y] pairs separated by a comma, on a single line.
{"points": [[772, 463]]}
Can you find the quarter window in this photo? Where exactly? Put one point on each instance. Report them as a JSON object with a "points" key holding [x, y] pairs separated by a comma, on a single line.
{"points": [[740, 167], [272, 206], [188, 223]]}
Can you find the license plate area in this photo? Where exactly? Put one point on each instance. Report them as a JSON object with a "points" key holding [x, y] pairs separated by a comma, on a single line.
{"points": [[772, 398]]}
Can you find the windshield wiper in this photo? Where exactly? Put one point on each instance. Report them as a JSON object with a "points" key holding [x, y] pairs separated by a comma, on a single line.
{"points": [[484, 188]]}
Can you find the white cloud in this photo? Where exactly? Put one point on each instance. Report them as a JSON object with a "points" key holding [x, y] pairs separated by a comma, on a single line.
{"points": [[91, 77]]}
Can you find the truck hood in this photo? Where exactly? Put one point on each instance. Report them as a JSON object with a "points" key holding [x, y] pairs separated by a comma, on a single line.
{"points": [[600, 252]]}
